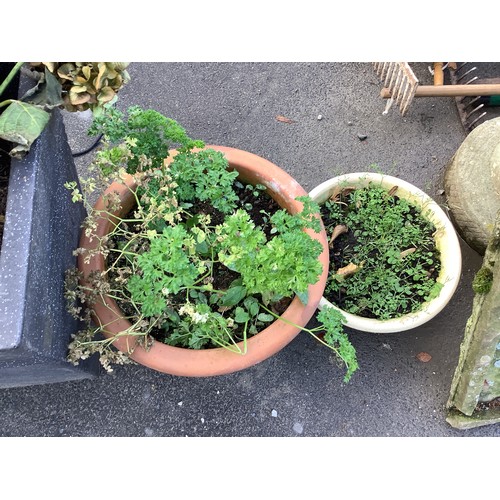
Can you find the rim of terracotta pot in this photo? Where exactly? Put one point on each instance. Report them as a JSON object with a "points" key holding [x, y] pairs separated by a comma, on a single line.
{"points": [[215, 361], [446, 241]]}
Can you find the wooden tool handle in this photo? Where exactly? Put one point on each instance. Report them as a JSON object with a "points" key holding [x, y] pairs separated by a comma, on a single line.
{"points": [[450, 90], [438, 73]]}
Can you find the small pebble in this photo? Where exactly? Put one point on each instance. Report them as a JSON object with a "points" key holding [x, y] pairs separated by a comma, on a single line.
{"points": [[274, 413], [349, 123], [202, 420], [362, 137], [440, 192], [180, 403], [320, 117], [298, 428]]}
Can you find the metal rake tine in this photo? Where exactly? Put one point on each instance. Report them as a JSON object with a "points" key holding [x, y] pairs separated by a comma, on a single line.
{"points": [[470, 103], [466, 73], [477, 119], [474, 110], [471, 80]]}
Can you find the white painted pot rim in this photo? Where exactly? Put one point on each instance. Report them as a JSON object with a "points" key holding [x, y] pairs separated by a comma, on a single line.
{"points": [[446, 241]]}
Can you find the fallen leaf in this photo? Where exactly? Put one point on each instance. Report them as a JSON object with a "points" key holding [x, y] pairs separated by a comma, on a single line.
{"points": [[284, 119], [337, 231], [404, 253], [349, 269], [341, 192], [336, 193], [348, 190], [392, 191], [424, 357]]}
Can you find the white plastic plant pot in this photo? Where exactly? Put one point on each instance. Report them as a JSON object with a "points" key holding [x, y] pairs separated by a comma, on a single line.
{"points": [[446, 242]]}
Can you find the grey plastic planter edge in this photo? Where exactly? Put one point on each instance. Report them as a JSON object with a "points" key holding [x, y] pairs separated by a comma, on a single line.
{"points": [[41, 231]]}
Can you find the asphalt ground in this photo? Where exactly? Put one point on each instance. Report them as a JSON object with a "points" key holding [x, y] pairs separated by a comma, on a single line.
{"points": [[298, 392]]}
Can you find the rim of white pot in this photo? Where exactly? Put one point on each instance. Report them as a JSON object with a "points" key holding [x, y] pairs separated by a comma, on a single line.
{"points": [[446, 241]]}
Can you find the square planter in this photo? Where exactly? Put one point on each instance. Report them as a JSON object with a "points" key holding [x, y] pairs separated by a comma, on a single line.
{"points": [[41, 230]]}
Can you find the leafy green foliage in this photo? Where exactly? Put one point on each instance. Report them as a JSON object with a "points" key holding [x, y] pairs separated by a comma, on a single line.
{"points": [[204, 176], [190, 265], [166, 268], [392, 245], [279, 267], [149, 132], [333, 321]]}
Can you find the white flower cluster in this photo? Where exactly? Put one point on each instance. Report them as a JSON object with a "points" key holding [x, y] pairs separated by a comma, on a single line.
{"points": [[195, 316]]}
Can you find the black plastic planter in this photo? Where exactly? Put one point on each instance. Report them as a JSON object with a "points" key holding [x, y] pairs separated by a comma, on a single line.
{"points": [[42, 228]]}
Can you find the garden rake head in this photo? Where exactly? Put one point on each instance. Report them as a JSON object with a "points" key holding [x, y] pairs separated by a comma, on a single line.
{"points": [[402, 83]]}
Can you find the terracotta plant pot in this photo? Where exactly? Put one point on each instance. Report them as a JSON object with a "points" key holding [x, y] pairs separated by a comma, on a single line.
{"points": [[217, 361], [446, 241]]}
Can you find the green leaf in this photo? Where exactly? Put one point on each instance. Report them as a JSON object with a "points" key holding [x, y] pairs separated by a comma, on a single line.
{"points": [[240, 315], [202, 248], [303, 296], [22, 123], [172, 315], [266, 318], [47, 93], [233, 296], [252, 306]]}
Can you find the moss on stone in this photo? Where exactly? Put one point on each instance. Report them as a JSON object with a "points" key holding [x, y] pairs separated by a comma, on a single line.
{"points": [[482, 281]]}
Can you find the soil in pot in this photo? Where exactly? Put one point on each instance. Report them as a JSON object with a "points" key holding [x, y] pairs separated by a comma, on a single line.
{"points": [[383, 258]]}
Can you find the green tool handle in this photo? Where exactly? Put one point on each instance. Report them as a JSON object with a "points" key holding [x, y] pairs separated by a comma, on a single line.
{"points": [[490, 100]]}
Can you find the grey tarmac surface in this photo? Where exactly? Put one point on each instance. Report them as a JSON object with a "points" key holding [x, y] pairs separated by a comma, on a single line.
{"points": [[298, 392]]}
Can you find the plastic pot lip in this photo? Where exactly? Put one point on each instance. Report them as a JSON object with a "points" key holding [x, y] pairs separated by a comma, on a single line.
{"points": [[218, 361], [446, 240]]}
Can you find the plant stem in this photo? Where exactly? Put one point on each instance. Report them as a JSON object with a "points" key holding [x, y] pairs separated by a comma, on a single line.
{"points": [[10, 76], [304, 329]]}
